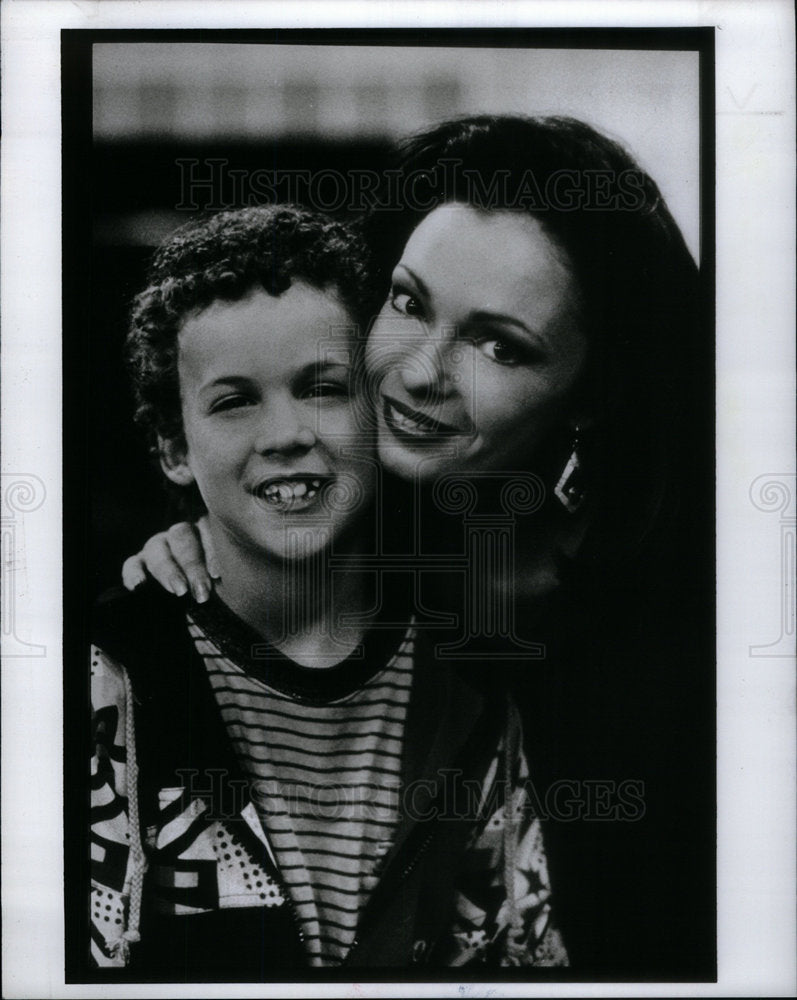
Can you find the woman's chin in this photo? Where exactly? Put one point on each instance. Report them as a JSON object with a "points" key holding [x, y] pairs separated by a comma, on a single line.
{"points": [[418, 466]]}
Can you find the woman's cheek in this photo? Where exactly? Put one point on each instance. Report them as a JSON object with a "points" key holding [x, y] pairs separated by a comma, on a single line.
{"points": [[511, 405], [496, 394], [391, 337]]}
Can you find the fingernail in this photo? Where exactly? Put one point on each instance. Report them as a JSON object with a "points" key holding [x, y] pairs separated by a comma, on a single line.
{"points": [[136, 581], [178, 586], [201, 593]]}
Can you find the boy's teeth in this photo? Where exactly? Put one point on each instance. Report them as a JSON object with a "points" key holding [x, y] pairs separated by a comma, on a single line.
{"points": [[283, 494], [278, 493]]}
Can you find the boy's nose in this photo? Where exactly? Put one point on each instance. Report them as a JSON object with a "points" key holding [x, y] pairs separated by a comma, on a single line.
{"points": [[285, 428]]}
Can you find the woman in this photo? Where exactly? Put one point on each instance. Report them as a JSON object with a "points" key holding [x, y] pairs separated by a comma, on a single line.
{"points": [[542, 318]]}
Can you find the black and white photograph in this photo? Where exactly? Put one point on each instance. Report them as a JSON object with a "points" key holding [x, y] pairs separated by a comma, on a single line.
{"points": [[416, 668], [392, 402]]}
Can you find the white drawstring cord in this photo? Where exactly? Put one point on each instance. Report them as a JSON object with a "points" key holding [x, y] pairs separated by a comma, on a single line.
{"points": [[120, 948]]}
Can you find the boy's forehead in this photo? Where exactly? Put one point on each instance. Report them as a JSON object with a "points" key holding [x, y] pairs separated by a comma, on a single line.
{"points": [[303, 322]]}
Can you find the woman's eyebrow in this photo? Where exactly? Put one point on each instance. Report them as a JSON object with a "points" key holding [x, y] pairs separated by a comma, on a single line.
{"points": [[419, 282], [487, 316]]}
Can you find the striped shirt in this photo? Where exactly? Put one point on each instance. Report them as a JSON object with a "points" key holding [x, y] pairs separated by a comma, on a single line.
{"points": [[322, 749]]}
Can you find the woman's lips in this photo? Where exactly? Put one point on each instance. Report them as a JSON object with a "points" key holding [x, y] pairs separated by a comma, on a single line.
{"points": [[415, 427], [291, 494]]}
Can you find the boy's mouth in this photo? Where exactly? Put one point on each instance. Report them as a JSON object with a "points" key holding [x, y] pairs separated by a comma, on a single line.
{"points": [[291, 494]]}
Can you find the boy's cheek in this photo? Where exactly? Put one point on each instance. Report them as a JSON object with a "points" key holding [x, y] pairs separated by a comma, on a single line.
{"points": [[214, 439], [364, 410], [366, 475], [347, 426]]}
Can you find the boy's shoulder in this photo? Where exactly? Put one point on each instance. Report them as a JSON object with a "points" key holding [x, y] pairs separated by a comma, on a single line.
{"points": [[146, 606], [142, 627]]}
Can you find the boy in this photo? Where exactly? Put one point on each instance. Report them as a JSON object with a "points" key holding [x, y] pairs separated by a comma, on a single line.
{"points": [[276, 786]]}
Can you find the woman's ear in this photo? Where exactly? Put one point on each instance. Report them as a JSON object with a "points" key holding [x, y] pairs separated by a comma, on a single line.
{"points": [[174, 461], [580, 422], [581, 432]]}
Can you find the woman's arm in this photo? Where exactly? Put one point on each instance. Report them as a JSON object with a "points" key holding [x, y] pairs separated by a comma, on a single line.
{"points": [[179, 559]]}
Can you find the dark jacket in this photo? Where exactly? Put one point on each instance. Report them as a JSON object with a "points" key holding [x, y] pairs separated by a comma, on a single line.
{"points": [[456, 721]]}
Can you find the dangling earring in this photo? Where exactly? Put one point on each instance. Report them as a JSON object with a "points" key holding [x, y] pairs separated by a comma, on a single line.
{"points": [[570, 489]]}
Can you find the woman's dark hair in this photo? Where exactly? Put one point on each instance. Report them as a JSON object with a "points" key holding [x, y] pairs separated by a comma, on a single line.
{"points": [[224, 257], [639, 291]]}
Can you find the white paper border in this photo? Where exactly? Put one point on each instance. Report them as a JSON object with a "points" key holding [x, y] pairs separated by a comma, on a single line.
{"points": [[755, 400]]}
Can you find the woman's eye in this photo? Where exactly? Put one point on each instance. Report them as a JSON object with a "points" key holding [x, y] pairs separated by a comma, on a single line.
{"points": [[405, 303], [503, 352]]}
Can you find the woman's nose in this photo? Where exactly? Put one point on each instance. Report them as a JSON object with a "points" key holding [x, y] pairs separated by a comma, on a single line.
{"points": [[285, 427], [428, 371]]}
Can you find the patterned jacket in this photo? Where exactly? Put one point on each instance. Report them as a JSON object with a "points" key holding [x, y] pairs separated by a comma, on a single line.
{"points": [[184, 883]]}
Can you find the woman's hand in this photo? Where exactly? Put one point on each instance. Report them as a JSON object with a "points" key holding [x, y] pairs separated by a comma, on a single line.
{"points": [[179, 558]]}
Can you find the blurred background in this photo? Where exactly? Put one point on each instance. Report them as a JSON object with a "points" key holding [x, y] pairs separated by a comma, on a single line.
{"points": [[163, 110]]}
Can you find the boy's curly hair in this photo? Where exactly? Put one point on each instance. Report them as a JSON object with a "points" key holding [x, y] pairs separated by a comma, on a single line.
{"points": [[225, 257]]}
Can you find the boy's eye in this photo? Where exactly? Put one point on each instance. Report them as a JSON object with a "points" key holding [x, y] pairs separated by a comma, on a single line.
{"points": [[322, 390], [231, 402], [405, 303]]}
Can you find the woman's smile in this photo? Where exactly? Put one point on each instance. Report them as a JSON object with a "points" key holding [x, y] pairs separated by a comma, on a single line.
{"points": [[416, 427]]}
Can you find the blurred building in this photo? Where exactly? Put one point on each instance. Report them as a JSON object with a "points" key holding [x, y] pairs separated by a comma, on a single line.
{"points": [[187, 95]]}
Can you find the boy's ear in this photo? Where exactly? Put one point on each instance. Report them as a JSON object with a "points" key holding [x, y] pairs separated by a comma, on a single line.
{"points": [[174, 461]]}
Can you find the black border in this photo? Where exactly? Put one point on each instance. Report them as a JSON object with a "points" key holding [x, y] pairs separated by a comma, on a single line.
{"points": [[76, 119]]}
